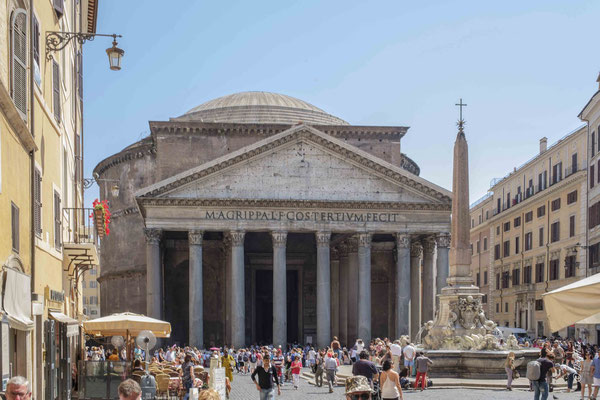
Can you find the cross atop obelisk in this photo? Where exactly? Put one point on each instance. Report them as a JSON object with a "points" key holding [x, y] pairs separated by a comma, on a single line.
{"points": [[461, 121]]}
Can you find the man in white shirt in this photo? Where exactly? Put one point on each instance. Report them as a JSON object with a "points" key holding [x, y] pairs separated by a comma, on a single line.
{"points": [[396, 351], [311, 357], [409, 357]]}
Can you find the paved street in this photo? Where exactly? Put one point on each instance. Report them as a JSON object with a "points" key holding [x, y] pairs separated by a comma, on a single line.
{"points": [[243, 389]]}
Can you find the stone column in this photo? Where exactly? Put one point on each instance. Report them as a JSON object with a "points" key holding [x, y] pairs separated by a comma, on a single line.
{"points": [[279, 289], [416, 252], [403, 288], [335, 293], [364, 287], [196, 319], [352, 291], [238, 305], [530, 327], [227, 261], [442, 263], [343, 254], [154, 282], [428, 280], [323, 290]]}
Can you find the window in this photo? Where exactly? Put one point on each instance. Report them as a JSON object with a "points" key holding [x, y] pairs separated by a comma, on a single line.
{"points": [[507, 205], [499, 208], [36, 52], [484, 299], [555, 205], [478, 279], [541, 238], [541, 211], [497, 252], [478, 247], [572, 197], [56, 90], [505, 279], [497, 281], [517, 245], [506, 250], [484, 244], [517, 222], [19, 61], [516, 277], [542, 181], [557, 172], [539, 272], [14, 219], [593, 144], [57, 220], [85, 300], [527, 274], [555, 232], [93, 271], [528, 216], [83, 284], [591, 176], [570, 265], [553, 270], [539, 305], [485, 278], [594, 255], [487, 215], [94, 312], [59, 7], [498, 230], [528, 241], [574, 167], [480, 219], [598, 169], [472, 223], [506, 308], [93, 284], [37, 198], [507, 226], [471, 245], [497, 307], [594, 215], [571, 226]]}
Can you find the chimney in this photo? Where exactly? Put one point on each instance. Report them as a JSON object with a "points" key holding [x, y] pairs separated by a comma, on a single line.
{"points": [[543, 144]]}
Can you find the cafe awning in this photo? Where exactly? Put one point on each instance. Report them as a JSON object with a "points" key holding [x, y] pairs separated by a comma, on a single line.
{"points": [[126, 323], [17, 300], [578, 302], [72, 324]]}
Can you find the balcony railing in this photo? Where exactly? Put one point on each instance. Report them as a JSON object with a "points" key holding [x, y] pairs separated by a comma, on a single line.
{"points": [[78, 226]]}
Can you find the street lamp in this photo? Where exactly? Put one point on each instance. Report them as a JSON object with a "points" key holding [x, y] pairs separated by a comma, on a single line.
{"points": [[56, 41], [114, 189]]}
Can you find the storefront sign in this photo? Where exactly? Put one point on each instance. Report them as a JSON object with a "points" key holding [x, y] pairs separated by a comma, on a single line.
{"points": [[55, 298], [291, 215]]}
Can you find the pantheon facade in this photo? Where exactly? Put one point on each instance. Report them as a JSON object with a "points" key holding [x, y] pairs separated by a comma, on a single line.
{"points": [[260, 218]]}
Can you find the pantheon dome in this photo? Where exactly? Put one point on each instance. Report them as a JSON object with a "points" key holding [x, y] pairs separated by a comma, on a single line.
{"points": [[259, 108]]}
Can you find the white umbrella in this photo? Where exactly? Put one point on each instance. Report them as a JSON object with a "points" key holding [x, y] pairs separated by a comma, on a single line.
{"points": [[126, 324], [578, 302]]}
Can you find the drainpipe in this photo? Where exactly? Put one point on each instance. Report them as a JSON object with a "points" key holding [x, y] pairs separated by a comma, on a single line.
{"points": [[32, 152]]}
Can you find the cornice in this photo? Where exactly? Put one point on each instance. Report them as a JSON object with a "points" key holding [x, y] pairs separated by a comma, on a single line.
{"points": [[146, 147], [353, 155], [304, 204], [123, 212]]}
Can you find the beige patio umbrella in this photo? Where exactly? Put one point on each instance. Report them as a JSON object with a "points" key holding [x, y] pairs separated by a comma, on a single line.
{"points": [[578, 302], [125, 324]]}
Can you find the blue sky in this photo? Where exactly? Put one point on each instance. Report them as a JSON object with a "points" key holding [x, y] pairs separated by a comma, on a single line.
{"points": [[525, 69]]}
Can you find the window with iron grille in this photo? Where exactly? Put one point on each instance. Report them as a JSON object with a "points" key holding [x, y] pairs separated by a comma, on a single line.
{"points": [[517, 222], [516, 277], [539, 272], [57, 222], [553, 270], [506, 251], [19, 61], [528, 216], [14, 219], [528, 241], [527, 274], [539, 305], [37, 200], [56, 90], [555, 205], [541, 211], [570, 266], [572, 197], [555, 232], [507, 226]]}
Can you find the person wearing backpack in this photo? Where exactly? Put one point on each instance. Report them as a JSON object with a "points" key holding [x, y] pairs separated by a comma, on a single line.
{"points": [[252, 361], [536, 373]]}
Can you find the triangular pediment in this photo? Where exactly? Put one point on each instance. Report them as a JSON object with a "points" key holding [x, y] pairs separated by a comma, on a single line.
{"points": [[304, 164]]}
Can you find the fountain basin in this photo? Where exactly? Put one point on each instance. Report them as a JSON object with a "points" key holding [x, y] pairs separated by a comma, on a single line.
{"points": [[477, 364]]}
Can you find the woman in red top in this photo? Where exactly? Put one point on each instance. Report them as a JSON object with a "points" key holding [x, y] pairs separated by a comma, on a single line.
{"points": [[296, 367]]}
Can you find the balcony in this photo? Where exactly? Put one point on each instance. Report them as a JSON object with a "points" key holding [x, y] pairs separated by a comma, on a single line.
{"points": [[79, 240]]}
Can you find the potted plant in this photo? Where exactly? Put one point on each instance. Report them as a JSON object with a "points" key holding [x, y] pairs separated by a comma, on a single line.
{"points": [[101, 217]]}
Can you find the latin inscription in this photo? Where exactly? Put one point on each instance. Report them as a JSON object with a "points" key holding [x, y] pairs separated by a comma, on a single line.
{"points": [[311, 216]]}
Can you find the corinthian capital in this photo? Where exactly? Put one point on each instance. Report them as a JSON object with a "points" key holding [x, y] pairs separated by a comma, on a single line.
{"points": [[195, 237], [279, 238], [416, 250], [364, 240], [237, 238], [429, 244], [323, 239], [153, 235], [443, 240], [402, 241]]}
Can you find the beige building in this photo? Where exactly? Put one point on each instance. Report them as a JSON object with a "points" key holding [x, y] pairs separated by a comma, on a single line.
{"points": [[480, 246], [91, 293], [536, 221]]}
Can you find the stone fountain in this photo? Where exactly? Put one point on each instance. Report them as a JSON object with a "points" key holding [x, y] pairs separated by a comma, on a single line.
{"points": [[461, 341]]}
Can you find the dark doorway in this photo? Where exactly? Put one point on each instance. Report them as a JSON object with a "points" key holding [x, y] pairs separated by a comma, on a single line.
{"points": [[177, 302], [264, 306], [292, 305]]}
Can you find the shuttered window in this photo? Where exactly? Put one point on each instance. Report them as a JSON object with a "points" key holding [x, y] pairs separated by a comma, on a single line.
{"points": [[57, 229], [37, 198], [80, 74], [56, 90], [59, 7], [19, 61], [36, 41], [14, 218]]}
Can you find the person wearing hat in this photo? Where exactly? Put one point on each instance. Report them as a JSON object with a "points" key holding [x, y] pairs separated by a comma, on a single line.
{"points": [[331, 366], [358, 388]]}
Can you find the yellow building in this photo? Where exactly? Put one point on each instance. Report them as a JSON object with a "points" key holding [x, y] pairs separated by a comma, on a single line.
{"points": [[47, 238], [537, 232], [91, 293], [480, 246]]}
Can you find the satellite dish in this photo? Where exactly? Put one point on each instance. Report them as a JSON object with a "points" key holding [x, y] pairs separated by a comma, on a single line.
{"points": [[146, 340], [117, 341]]}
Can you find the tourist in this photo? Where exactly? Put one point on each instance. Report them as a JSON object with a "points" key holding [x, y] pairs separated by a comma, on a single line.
{"points": [[252, 360], [509, 367], [422, 364], [278, 362], [114, 356], [20, 387], [595, 372], [365, 367], [389, 381], [319, 370], [540, 386], [241, 359], [336, 346], [331, 366], [353, 353], [311, 357], [396, 351], [357, 388], [267, 375], [227, 361], [585, 374], [409, 353], [187, 375], [346, 358], [128, 390], [296, 367]]}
